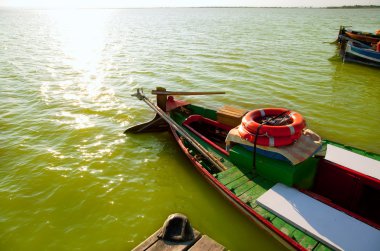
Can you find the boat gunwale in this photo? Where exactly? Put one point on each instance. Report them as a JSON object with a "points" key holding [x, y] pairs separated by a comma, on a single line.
{"points": [[368, 38], [189, 120]]}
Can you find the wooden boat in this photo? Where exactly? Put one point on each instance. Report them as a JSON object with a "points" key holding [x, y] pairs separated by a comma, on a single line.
{"points": [[310, 195], [355, 51], [178, 234], [364, 37]]}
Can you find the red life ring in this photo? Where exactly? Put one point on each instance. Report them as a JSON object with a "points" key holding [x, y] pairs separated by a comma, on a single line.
{"points": [[264, 140], [252, 120]]}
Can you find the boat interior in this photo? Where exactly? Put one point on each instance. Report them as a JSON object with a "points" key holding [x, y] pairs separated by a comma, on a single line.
{"points": [[352, 192]]}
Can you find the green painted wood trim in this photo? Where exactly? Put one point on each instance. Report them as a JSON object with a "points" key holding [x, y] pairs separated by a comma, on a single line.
{"points": [[221, 175], [238, 182], [303, 239], [231, 177], [283, 226], [244, 188], [321, 247], [264, 213]]}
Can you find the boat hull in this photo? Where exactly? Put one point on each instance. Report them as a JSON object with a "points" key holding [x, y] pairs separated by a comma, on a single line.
{"points": [[245, 179], [353, 53], [243, 187], [236, 202]]}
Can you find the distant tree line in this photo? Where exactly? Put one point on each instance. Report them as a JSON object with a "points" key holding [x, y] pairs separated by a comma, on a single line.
{"points": [[354, 7]]}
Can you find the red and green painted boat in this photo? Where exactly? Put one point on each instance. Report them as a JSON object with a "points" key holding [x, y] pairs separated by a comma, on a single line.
{"points": [[364, 37], [310, 194]]}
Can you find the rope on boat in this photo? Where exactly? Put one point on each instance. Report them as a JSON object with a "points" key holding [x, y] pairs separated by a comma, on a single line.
{"points": [[216, 162], [257, 133]]}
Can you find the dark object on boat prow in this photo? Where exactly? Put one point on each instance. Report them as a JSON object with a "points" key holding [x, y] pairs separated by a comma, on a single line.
{"points": [[177, 234], [177, 228]]}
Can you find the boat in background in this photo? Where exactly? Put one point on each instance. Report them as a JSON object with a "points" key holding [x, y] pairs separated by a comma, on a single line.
{"points": [[364, 37], [310, 194], [359, 47], [357, 52]]}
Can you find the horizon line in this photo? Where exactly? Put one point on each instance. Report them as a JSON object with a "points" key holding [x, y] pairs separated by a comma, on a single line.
{"points": [[183, 7]]}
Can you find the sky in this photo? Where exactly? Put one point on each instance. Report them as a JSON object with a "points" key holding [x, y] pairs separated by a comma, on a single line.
{"points": [[178, 3]]}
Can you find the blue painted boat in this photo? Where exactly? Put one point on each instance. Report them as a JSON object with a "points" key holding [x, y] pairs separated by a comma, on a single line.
{"points": [[357, 52]]}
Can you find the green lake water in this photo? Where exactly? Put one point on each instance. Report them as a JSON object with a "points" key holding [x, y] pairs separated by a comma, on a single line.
{"points": [[71, 180]]}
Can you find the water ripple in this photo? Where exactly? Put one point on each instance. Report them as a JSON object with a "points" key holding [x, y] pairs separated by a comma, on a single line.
{"points": [[69, 175]]}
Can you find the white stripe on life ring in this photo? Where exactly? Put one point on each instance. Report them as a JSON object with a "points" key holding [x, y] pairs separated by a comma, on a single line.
{"points": [[292, 130], [262, 112], [271, 141]]}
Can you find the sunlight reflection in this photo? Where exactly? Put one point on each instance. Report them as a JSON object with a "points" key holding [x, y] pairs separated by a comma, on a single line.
{"points": [[81, 36], [78, 121]]}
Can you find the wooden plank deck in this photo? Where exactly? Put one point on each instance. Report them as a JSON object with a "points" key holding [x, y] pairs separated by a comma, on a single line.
{"points": [[249, 188], [155, 243], [205, 243], [199, 243]]}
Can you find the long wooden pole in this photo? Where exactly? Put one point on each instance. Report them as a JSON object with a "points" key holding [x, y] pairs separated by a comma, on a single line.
{"points": [[215, 161], [156, 92]]}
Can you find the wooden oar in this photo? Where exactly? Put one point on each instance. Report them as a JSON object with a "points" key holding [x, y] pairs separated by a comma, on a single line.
{"points": [[184, 93], [214, 161]]}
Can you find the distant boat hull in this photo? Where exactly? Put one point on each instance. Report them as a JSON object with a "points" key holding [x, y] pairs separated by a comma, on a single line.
{"points": [[353, 51], [367, 38], [363, 37]]}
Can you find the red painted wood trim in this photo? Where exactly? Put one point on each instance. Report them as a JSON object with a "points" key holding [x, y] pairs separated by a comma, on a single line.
{"points": [[194, 118], [365, 179]]}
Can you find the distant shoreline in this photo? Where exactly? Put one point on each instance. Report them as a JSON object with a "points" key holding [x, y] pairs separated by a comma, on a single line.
{"points": [[355, 7], [201, 7]]}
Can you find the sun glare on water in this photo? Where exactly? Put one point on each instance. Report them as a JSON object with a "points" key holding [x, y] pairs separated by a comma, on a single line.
{"points": [[81, 34], [80, 44], [81, 40]]}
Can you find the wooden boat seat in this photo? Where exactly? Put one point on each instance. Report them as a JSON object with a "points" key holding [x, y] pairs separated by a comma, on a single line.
{"points": [[353, 161], [326, 224], [229, 115]]}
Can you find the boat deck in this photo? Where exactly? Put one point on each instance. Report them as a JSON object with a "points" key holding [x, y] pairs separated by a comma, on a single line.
{"points": [[327, 224], [249, 187]]}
